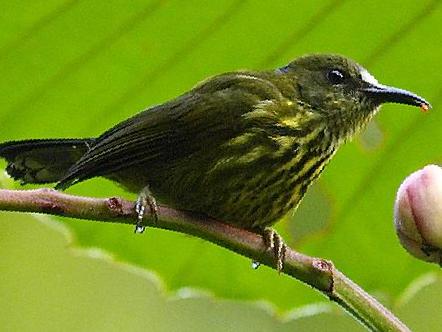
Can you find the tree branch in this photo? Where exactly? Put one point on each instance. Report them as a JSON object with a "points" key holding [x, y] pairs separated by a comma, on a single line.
{"points": [[318, 273]]}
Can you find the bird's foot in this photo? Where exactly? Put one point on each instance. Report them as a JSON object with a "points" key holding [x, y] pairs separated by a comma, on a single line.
{"points": [[145, 199], [275, 243]]}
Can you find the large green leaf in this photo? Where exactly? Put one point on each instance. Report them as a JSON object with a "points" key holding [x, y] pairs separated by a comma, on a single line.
{"points": [[75, 68], [47, 286]]}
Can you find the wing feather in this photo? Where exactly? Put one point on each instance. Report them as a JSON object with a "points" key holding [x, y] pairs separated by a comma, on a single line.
{"points": [[200, 119]]}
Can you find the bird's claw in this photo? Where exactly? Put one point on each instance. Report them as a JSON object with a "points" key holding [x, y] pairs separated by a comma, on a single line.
{"points": [[274, 242], [145, 199]]}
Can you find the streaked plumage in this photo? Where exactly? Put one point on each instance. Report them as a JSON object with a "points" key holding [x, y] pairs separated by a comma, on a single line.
{"points": [[242, 147]]}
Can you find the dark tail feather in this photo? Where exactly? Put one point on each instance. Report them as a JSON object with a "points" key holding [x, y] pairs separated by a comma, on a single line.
{"points": [[42, 161]]}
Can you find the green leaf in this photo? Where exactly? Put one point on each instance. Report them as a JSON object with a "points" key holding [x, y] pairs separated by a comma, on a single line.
{"points": [[47, 286], [75, 68]]}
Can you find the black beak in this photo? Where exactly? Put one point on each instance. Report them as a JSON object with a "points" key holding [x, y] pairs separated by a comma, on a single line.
{"points": [[386, 94]]}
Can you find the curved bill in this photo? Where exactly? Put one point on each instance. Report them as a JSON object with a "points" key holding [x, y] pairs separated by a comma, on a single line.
{"points": [[386, 94]]}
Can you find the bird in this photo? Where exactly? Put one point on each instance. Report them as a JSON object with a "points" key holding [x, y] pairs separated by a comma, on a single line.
{"points": [[242, 147]]}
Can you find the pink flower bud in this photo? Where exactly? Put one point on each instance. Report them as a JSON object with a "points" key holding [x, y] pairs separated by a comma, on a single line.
{"points": [[418, 214]]}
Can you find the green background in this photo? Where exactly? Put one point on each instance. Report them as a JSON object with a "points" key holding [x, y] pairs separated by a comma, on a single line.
{"points": [[74, 68]]}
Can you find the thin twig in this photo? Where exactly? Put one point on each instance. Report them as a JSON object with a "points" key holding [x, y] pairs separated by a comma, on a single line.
{"points": [[318, 273]]}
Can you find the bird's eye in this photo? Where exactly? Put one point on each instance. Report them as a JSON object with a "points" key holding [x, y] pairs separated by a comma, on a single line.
{"points": [[336, 76]]}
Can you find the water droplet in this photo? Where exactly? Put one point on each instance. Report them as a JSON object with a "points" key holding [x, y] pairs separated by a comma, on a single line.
{"points": [[139, 229], [255, 265]]}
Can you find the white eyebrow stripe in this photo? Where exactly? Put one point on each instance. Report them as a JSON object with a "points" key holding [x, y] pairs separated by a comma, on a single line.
{"points": [[369, 78]]}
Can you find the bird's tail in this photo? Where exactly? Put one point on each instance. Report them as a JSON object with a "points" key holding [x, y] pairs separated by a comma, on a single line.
{"points": [[42, 161]]}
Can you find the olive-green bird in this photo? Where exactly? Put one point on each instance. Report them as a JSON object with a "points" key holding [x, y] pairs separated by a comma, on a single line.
{"points": [[242, 147]]}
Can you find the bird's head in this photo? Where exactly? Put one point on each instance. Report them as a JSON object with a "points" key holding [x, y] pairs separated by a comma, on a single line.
{"points": [[343, 91]]}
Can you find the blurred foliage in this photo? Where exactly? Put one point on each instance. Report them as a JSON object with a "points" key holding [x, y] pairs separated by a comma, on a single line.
{"points": [[74, 68]]}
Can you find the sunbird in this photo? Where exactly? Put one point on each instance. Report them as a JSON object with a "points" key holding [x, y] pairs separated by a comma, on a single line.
{"points": [[242, 147]]}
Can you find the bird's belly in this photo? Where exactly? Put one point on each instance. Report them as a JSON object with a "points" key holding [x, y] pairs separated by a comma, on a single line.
{"points": [[261, 196], [262, 202], [254, 195]]}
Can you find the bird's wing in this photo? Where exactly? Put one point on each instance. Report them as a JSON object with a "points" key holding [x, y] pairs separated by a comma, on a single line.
{"points": [[203, 118]]}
